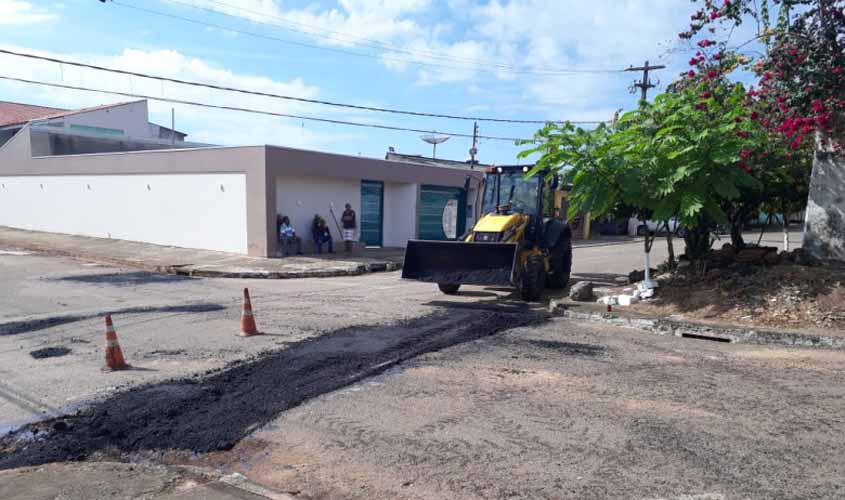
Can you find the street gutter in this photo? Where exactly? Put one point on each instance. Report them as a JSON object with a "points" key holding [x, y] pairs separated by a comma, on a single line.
{"points": [[691, 329]]}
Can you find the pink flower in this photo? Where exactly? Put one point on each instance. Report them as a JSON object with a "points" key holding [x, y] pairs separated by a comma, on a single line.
{"points": [[743, 134], [818, 107], [766, 76], [691, 73], [712, 74], [715, 15], [693, 61], [837, 70], [755, 115], [701, 106], [706, 43], [717, 57], [744, 154], [727, 3], [796, 143], [704, 95]]}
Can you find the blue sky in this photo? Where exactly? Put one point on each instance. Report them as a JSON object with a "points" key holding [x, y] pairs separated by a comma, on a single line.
{"points": [[482, 41]]}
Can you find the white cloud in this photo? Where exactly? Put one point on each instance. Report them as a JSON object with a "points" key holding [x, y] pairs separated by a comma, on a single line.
{"points": [[202, 124], [353, 21], [18, 12]]}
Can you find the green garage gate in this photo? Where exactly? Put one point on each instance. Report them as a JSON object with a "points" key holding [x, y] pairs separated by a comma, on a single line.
{"points": [[442, 213]]}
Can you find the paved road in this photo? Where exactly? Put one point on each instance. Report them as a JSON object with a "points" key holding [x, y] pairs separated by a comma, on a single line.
{"points": [[170, 325], [569, 411], [167, 325], [377, 388]]}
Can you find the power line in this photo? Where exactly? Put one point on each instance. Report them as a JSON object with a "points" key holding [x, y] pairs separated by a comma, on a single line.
{"points": [[257, 111], [351, 52], [369, 42], [280, 96], [310, 30]]}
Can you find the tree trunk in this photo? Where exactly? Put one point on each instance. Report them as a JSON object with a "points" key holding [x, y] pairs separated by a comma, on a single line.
{"points": [[824, 231], [736, 235], [670, 245], [698, 241]]}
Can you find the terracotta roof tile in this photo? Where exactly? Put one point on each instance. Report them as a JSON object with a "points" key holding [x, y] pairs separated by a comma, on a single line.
{"points": [[12, 113]]}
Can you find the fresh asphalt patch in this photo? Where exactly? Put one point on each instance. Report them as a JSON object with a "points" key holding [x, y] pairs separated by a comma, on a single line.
{"points": [[49, 352], [214, 411]]}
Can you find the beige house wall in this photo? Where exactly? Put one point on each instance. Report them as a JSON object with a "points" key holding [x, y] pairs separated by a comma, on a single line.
{"points": [[261, 166], [16, 160]]}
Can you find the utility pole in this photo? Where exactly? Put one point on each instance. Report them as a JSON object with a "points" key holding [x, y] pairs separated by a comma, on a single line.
{"points": [[473, 150], [645, 83]]}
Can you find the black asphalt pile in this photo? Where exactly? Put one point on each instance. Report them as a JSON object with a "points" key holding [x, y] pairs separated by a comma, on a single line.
{"points": [[49, 352], [216, 410]]}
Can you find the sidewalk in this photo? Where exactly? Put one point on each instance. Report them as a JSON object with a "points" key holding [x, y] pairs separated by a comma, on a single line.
{"points": [[202, 263], [120, 481]]}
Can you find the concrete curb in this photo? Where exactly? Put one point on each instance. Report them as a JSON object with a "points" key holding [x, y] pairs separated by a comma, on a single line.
{"points": [[353, 270], [199, 271], [679, 328]]}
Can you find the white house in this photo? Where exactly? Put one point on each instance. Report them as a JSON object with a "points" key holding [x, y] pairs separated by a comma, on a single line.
{"points": [[107, 172]]}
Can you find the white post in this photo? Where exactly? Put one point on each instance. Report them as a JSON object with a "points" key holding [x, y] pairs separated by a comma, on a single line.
{"points": [[648, 282], [785, 233]]}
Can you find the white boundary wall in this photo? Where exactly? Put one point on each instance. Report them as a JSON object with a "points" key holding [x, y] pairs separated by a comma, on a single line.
{"points": [[205, 211]]}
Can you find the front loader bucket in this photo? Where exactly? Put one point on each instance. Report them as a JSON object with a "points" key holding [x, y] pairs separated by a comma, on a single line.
{"points": [[458, 262]]}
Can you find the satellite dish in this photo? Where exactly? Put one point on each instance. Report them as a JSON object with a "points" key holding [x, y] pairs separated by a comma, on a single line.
{"points": [[434, 139]]}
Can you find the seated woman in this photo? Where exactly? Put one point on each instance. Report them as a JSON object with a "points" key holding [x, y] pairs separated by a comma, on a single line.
{"points": [[321, 233], [288, 240]]}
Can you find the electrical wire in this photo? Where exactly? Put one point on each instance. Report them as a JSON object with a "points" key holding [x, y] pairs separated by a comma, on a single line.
{"points": [[258, 111], [367, 42], [381, 57], [286, 97]]}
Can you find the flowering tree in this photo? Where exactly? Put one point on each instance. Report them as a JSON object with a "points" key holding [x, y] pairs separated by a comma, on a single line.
{"points": [[800, 95], [801, 78]]}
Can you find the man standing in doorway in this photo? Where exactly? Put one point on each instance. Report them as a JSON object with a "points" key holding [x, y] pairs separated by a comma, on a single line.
{"points": [[349, 226]]}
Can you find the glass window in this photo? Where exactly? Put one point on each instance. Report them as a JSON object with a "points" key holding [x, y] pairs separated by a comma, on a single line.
{"points": [[520, 193]]}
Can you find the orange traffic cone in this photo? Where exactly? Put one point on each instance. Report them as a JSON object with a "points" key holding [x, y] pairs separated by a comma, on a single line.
{"points": [[114, 356], [248, 328]]}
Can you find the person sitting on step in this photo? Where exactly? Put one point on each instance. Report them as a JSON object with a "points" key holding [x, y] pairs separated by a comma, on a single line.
{"points": [[321, 233], [288, 240]]}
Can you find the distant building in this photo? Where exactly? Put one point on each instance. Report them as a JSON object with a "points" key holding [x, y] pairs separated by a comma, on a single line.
{"points": [[392, 155], [121, 120]]}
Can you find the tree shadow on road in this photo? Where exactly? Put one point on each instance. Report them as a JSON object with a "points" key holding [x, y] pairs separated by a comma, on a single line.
{"points": [[31, 325], [123, 279]]}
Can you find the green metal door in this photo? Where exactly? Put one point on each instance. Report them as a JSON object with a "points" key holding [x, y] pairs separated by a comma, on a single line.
{"points": [[442, 214], [372, 210]]}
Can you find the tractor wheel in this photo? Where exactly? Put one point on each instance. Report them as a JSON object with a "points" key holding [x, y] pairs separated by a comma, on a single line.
{"points": [[533, 278], [560, 261], [448, 288]]}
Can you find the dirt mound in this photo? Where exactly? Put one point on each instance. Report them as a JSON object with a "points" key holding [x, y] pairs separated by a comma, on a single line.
{"points": [[785, 296], [215, 411]]}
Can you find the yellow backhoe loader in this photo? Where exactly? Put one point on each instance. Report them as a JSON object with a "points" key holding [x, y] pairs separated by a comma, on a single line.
{"points": [[513, 243]]}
